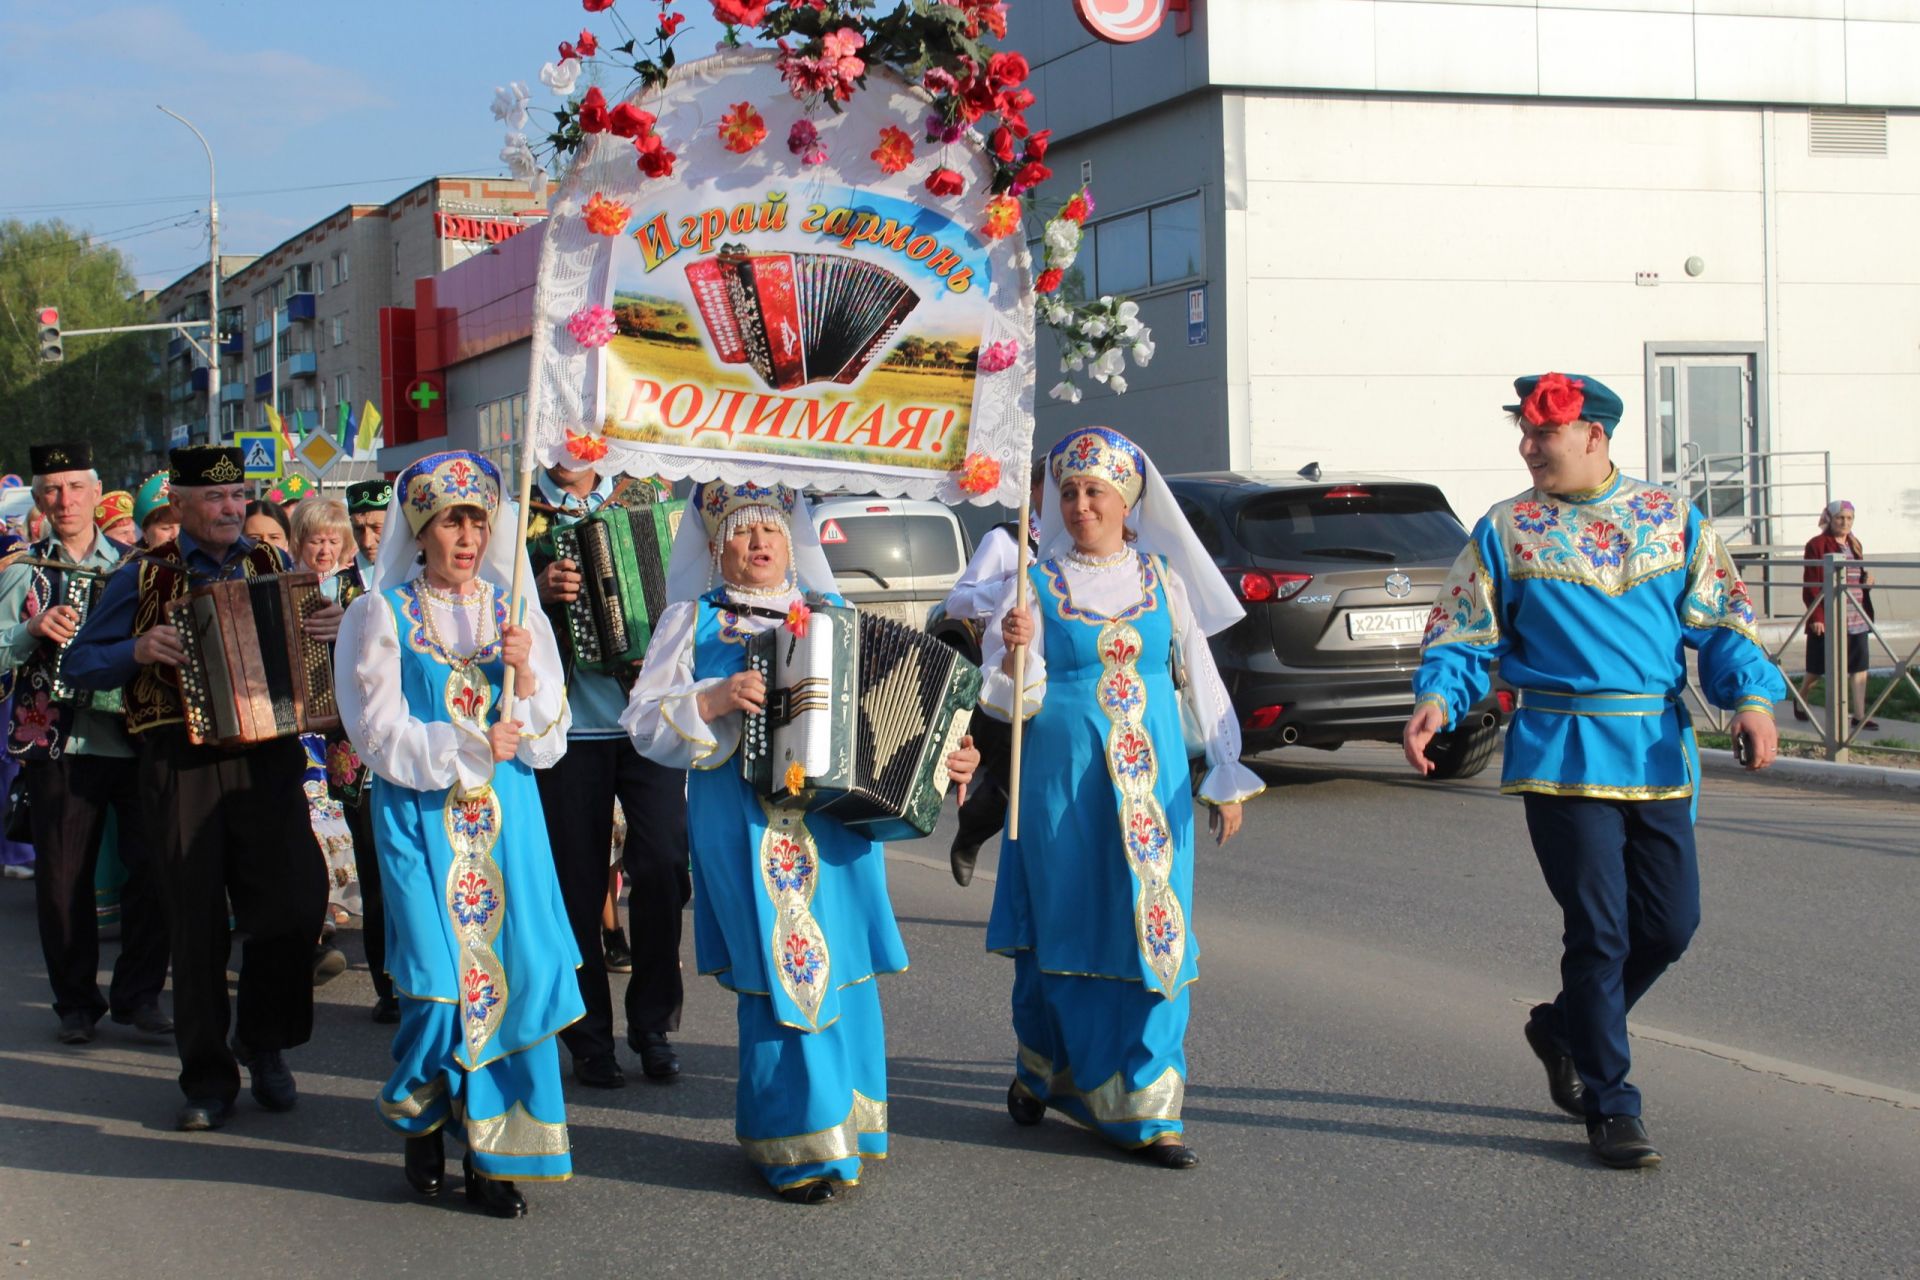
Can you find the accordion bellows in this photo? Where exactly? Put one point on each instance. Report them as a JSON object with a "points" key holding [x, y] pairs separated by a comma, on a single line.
{"points": [[622, 553], [252, 672], [869, 710], [798, 317]]}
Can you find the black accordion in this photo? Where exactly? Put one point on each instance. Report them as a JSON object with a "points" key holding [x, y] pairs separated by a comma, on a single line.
{"points": [[860, 717], [798, 317], [622, 553], [252, 672], [81, 594]]}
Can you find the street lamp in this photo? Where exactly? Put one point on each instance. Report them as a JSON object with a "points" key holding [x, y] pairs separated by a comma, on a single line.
{"points": [[213, 288]]}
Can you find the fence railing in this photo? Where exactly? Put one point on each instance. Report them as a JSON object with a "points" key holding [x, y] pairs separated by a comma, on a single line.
{"points": [[1751, 488], [1838, 724]]}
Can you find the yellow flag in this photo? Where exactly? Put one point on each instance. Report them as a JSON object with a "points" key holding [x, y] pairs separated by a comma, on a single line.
{"points": [[273, 420], [369, 427]]}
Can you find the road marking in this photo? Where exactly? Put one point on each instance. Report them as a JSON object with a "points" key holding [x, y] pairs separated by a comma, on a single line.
{"points": [[1791, 1072]]}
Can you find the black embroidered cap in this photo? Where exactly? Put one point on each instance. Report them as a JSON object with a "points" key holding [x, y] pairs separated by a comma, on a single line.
{"points": [[369, 495], [200, 464], [45, 459]]}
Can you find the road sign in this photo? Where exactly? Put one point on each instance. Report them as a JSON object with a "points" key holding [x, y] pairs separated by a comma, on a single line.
{"points": [[320, 451], [1197, 317], [263, 454], [830, 533]]}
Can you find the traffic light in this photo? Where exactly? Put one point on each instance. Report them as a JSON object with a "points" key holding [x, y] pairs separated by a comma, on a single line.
{"points": [[50, 349]]}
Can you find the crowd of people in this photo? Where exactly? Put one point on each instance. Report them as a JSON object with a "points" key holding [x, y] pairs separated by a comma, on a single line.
{"points": [[486, 792]]}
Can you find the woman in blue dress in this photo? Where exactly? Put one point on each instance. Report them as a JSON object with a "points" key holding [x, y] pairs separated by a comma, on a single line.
{"points": [[1094, 902], [790, 910], [478, 944]]}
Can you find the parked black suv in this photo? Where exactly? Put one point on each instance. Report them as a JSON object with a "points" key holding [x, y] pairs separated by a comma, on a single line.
{"points": [[1338, 573]]}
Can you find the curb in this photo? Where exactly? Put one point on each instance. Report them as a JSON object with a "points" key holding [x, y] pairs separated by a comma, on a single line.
{"points": [[1825, 773]]}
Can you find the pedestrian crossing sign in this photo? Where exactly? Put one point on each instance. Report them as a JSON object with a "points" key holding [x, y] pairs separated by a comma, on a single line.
{"points": [[263, 454]]}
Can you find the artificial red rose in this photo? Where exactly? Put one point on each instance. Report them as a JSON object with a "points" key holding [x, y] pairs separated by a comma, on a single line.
{"points": [[1049, 280], [740, 13], [568, 51], [1038, 143], [670, 23], [655, 160], [1001, 144], [1008, 69], [1032, 174], [977, 97], [629, 121], [586, 44], [596, 6], [945, 182], [1077, 209], [1554, 401], [593, 112]]}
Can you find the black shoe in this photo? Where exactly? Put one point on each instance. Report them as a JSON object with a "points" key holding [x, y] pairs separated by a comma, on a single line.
{"points": [[1170, 1155], [601, 1071], [1621, 1142], [200, 1115], [619, 954], [961, 858], [328, 964], [1023, 1106], [809, 1193], [147, 1018], [1563, 1082], [496, 1196], [385, 1010], [273, 1086], [657, 1056], [75, 1028], [426, 1163]]}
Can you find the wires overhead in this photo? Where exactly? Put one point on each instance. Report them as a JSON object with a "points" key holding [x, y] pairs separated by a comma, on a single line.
{"points": [[77, 206]]}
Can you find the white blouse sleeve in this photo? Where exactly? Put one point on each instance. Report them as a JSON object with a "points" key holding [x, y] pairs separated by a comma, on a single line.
{"points": [[996, 691], [405, 750], [1227, 781], [663, 715], [545, 717], [977, 591]]}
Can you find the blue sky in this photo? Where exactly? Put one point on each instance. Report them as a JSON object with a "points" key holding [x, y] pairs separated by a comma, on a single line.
{"points": [[309, 105]]}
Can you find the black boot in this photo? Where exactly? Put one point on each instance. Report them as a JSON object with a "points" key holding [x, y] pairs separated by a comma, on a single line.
{"points": [[961, 859], [495, 1196], [1563, 1082], [1023, 1106], [1621, 1142], [426, 1163], [1170, 1155], [808, 1193]]}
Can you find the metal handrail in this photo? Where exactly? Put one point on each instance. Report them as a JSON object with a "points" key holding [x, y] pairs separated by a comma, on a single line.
{"points": [[1838, 731], [1748, 472]]}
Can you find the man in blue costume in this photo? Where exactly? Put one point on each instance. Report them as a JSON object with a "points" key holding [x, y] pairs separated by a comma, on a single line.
{"points": [[1588, 589]]}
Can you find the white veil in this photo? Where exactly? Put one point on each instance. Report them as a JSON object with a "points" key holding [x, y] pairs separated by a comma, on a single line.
{"points": [[690, 571], [399, 557], [1159, 529]]}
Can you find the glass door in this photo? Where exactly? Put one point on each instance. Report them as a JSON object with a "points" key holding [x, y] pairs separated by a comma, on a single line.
{"points": [[1707, 442]]}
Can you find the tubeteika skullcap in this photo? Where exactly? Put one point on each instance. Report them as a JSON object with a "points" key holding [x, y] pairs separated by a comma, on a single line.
{"points": [[368, 496], [204, 464], [150, 497], [45, 459]]}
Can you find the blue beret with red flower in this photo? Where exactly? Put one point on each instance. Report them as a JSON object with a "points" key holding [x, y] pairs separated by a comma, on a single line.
{"points": [[1550, 399]]}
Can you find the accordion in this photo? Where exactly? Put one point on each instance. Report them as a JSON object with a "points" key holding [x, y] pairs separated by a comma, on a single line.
{"points": [[252, 672], [798, 317], [81, 594], [861, 714], [622, 553]]}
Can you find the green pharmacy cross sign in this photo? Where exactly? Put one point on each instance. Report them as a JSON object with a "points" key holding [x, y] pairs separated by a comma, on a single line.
{"points": [[423, 393]]}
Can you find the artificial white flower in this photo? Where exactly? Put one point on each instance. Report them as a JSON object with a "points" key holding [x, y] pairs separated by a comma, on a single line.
{"points": [[1062, 239], [1094, 327], [1128, 310], [510, 105], [522, 164], [1111, 362], [562, 76], [1143, 351], [1117, 385], [1066, 391], [1106, 300]]}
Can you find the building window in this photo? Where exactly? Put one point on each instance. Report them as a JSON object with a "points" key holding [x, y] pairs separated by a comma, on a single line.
{"points": [[339, 330], [343, 268], [1147, 248], [1178, 253], [342, 387], [303, 278], [1123, 247]]}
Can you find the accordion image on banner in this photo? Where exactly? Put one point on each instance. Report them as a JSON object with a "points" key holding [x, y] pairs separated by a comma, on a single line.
{"points": [[868, 709], [252, 672], [798, 317], [622, 553]]}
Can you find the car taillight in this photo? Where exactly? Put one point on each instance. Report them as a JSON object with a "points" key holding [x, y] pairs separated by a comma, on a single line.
{"points": [[1505, 698], [1264, 717], [1346, 491], [1265, 586]]}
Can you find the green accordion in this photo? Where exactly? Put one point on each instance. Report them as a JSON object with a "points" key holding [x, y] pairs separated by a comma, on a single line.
{"points": [[622, 553], [861, 714]]}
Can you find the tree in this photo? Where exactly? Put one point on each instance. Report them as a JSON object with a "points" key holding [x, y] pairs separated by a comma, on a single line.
{"points": [[107, 386]]}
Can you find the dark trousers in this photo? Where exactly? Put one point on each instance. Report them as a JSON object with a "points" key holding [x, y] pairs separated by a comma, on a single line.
{"points": [[373, 907], [578, 794], [985, 811], [1628, 884], [232, 827], [70, 800]]}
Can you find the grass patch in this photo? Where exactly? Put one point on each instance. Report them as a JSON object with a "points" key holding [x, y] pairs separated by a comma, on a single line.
{"points": [[1903, 704]]}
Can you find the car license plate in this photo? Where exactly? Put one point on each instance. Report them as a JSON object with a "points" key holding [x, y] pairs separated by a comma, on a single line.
{"points": [[1386, 626]]}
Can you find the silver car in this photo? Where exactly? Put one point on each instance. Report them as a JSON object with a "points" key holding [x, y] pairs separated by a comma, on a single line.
{"points": [[893, 557]]}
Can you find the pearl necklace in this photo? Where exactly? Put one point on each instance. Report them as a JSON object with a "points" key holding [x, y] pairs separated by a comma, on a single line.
{"points": [[1100, 564], [739, 591], [467, 603]]}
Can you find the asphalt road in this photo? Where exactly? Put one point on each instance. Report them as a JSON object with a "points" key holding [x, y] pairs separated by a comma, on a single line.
{"points": [[1359, 1090]]}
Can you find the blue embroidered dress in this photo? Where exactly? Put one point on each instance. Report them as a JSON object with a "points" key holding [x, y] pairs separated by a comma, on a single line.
{"points": [[1589, 602], [790, 912], [478, 943]]}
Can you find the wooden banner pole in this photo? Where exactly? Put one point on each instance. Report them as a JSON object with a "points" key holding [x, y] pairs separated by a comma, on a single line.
{"points": [[1019, 674]]}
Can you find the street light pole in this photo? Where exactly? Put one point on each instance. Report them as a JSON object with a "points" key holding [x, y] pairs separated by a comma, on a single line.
{"points": [[213, 288]]}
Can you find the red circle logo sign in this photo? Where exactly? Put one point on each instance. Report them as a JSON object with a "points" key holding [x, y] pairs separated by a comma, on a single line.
{"points": [[1122, 21]]}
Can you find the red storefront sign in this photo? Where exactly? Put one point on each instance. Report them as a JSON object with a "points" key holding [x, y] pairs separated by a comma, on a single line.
{"points": [[1125, 21], [451, 226]]}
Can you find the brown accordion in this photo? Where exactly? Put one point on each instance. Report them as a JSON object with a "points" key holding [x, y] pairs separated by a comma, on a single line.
{"points": [[252, 672], [798, 317]]}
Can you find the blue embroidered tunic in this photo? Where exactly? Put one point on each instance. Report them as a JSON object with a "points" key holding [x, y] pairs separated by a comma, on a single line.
{"points": [[1589, 602]]}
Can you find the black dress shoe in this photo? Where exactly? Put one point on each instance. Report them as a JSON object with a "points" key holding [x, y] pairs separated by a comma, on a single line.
{"points": [[1621, 1142], [147, 1018], [961, 858], [197, 1115], [75, 1028], [273, 1086], [601, 1071], [1023, 1106], [386, 1010], [809, 1193], [496, 1196], [657, 1056], [426, 1163], [613, 943], [1563, 1082], [1170, 1155]]}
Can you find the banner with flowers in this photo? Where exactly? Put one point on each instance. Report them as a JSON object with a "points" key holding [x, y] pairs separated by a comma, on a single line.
{"points": [[735, 285]]}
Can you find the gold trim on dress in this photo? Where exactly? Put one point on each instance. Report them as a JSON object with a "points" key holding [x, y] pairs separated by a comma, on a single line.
{"points": [[1584, 496], [789, 863], [516, 1132], [1593, 790], [840, 1142], [1636, 533], [415, 1104], [1112, 1102]]}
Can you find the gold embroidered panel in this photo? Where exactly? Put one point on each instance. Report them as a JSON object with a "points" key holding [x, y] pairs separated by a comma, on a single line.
{"points": [[1467, 610], [1639, 531], [1112, 1102], [837, 1143], [1716, 595], [789, 873], [476, 904], [516, 1133]]}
